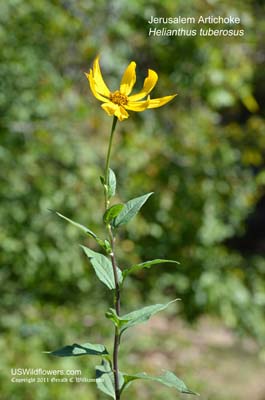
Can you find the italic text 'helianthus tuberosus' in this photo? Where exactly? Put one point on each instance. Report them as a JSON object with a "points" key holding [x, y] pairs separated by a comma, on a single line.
{"points": [[117, 103]]}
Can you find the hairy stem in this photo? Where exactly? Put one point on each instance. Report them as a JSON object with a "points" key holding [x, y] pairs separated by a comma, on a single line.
{"points": [[108, 160], [117, 303]]}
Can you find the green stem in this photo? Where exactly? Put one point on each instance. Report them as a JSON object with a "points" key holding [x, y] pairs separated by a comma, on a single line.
{"points": [[108, 160], [114, 266]]}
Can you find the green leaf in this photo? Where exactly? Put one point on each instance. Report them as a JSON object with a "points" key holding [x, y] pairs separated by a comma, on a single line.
{"points": [[112, 315], [77, 225], [112, 212], [105, 379], [118, 321], [103, 243], [146, 264], [130, 209], [80, 350], [142, 315], [103, 267], [106, 245], [112, 184], [136, 317], [168, 379]]}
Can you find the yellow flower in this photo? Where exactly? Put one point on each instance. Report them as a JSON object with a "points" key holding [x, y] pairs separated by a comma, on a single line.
{"points": [[116, 103]]}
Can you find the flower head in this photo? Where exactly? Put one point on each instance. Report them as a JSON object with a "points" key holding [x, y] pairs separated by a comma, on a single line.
{"points": [[117, 103]]}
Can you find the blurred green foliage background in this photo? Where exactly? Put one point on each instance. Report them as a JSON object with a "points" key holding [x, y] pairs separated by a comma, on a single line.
{"points": [[202, 155]]}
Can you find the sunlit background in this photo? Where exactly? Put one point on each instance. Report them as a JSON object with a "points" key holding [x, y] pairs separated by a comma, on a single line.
{"points": [[202, 155]]}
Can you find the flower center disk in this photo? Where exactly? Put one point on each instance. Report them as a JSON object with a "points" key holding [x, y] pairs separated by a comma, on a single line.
{"points": [[118, 98]]}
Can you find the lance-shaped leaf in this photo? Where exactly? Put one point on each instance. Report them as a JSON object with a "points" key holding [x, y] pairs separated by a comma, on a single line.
{"points": [[105, 379], [112, 184], [146, 264], [81, 227], [112, 213], [136, 317], [102, 267], [142, 315], [76, 224], [168, 379], [130, 209], [80, 350]]}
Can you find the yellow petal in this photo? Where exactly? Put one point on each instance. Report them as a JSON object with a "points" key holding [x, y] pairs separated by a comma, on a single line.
{"points": [[100, 85], [128, 79], [122, 113], [93, 87], [154, 103], [115, 109], [137, 105], [149, 84], [109, 107]]}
